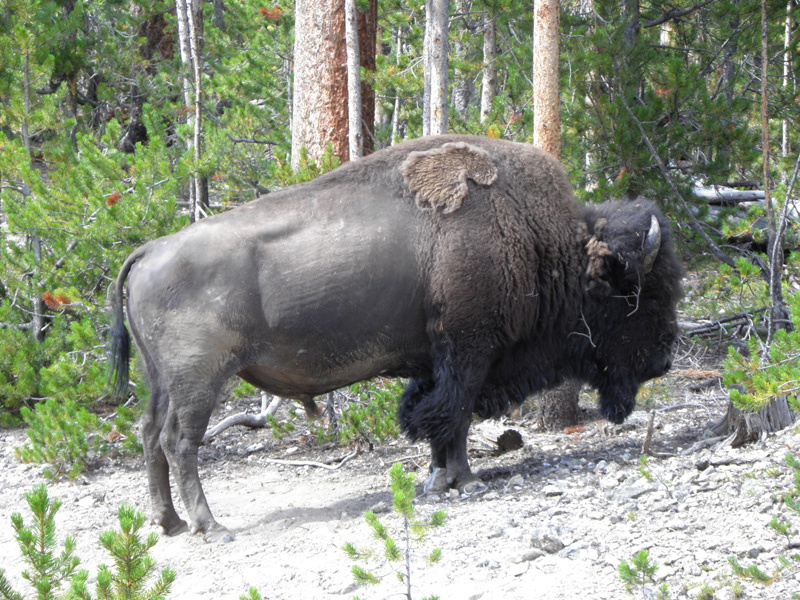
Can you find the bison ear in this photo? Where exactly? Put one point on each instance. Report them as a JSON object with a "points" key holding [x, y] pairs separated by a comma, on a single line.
{"points": [[438, 177]]}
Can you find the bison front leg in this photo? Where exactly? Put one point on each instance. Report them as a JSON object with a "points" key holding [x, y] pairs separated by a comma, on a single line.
{"points": [[450, 464]]}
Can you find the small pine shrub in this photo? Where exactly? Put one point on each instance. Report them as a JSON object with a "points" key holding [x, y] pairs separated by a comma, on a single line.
{"points": [[252, 594], [62, 434], [757, 378], [133, 565], [403, 494], [371, 413], [638, 573], [48, 571]]}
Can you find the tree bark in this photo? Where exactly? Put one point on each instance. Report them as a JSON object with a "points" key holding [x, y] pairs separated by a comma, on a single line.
{"points": [[546, 118], [436, 55], [319, 104], [778, 314], [558, 408], [368, 55], [489, 80], [396, 135], [355, 136]]}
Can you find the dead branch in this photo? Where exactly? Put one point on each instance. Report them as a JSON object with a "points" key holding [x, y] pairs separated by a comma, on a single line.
{"points": [[312, 463], [247, 419], [718, 324]]}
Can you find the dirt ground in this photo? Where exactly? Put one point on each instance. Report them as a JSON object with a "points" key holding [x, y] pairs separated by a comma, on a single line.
{"points": [[557, 518]]}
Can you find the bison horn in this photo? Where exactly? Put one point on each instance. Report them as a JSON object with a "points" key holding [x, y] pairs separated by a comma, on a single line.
{"points": [[651, 245]]}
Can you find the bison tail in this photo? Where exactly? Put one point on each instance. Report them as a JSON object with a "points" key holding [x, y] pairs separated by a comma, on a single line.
{"points": [[119, 344], [120, 359]]}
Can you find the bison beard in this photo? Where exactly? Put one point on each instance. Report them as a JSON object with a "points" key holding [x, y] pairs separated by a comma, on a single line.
{"points": [[462, 263]]}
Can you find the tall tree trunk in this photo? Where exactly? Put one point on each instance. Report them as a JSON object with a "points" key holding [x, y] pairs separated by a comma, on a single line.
{"points": [[396, 135], [353, 80], [368, 50], [200, 183], [546, 118], [436, 59], [787, 73], [778, 314], [319, 104], [558, 407], [742, 426], [189, 16], [489, 79]]}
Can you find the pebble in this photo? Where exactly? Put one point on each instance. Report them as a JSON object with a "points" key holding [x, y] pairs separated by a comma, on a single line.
{"points": [[516, 480]]}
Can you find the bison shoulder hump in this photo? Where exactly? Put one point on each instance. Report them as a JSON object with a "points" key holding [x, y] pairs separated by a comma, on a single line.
{"points": [[438, 177]]}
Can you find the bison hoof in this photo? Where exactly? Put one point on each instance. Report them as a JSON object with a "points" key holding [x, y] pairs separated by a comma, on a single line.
{"points": [[473, 488], [218, 536], [171, 527], [436, 482]]}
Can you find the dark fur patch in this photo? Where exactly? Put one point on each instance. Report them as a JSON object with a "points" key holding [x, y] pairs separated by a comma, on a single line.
{"points": [[439, 176]]}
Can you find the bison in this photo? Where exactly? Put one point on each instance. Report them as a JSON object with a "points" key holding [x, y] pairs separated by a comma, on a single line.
{"points": [[462, 263]]}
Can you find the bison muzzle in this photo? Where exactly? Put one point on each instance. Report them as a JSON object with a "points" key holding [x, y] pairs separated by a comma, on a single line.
{"points": [[461, 263]]}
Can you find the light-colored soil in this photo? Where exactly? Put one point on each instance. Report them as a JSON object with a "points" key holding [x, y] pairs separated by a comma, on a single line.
{"points": [[557, 519]]}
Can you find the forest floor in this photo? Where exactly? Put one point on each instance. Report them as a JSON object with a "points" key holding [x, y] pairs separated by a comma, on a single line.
{"points": [[557, 519]]}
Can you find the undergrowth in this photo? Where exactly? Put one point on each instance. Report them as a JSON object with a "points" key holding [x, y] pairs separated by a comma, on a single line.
{"points": [[49, 570]]}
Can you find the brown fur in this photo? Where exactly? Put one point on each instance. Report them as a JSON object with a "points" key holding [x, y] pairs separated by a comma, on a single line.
{"points": [[439, 176]]}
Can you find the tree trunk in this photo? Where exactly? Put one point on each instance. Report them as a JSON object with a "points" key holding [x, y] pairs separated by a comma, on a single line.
{"points": [[546, 119], [189, 16], [353, 80], [200, 183], [319, 103], [558, 408], [489, 80], [368, 50], [742, 427], [436, 54], [778, 314], [396, 135], [787, 73], [746, 426]]}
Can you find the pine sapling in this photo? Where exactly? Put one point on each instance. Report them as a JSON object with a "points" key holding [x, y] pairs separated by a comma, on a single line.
{"points": [[133, 565], [38, 546], [639, 572], [413, 530]]}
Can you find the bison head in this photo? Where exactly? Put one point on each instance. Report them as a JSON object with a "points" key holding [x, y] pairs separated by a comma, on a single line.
{"points": [[632, 288]]}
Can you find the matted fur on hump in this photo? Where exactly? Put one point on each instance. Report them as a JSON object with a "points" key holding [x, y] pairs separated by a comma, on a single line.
{"points": [[439, 176]]}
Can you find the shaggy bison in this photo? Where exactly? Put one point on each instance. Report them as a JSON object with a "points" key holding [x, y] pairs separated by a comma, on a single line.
{"points": [[459, 262]]}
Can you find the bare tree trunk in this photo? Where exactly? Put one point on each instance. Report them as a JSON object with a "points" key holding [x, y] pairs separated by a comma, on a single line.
{"points": [[195, 22], [778, 314], [787, 72], [489, 80], [368, 58], [189, 16], [558, 408], [546, 118], [436, 52], [397, 102], [353, 79], [319, 103], [744, 426]]}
